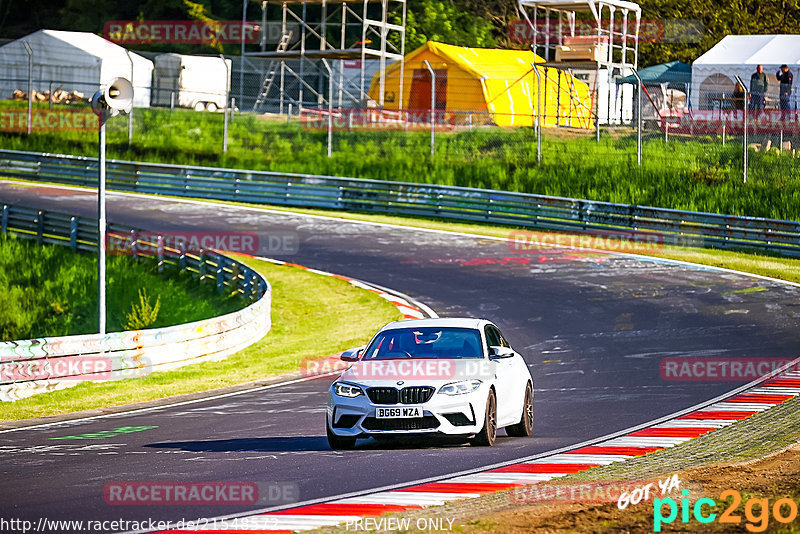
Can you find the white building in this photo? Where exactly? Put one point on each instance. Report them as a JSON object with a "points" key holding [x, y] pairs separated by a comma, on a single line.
{"points": [[79, 61], [714, 73]]}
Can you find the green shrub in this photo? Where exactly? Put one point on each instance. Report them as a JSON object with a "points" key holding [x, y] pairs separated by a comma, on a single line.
{"points": [[142, 315]]}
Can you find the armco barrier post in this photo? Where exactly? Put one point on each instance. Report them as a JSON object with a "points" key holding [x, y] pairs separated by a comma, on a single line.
{"points": [[220, 274], [182, 256], [134, 244], [40, 227], [160, 245], [235, 275], [4, 228], [73, 233]]}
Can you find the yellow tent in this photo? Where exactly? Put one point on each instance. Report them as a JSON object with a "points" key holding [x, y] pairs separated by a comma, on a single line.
{"points": [[480, 85]]}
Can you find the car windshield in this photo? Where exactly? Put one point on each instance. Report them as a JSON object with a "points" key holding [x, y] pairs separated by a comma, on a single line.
{"points": [[425, 343]]}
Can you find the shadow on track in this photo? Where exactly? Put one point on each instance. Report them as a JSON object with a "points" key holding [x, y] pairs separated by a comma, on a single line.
{"points": [[277, 444], [300, 444]]}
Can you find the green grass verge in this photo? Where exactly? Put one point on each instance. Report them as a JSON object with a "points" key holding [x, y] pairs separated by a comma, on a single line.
{"points": [[312, 316], [50, 290], [698, 174]]}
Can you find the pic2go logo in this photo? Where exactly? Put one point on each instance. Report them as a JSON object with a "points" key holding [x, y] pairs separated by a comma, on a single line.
{"points": [[756, 511]]}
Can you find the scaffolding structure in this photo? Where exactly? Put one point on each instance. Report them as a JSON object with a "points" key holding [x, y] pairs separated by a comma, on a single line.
{"points": [[593, 40], [318, 40]]}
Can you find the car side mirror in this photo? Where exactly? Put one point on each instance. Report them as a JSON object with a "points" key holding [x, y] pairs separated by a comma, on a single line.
{"points": [[352, 355], [497, 352]]}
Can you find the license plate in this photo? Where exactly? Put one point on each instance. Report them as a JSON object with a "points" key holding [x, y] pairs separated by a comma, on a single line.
{"points": [[402, 412]]}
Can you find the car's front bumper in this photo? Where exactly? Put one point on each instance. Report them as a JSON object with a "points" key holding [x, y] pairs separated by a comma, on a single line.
{"points": [[455, 415]]}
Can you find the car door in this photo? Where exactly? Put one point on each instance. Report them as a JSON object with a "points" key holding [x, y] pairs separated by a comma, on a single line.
{"points": [[508, 406], [522, 374]]}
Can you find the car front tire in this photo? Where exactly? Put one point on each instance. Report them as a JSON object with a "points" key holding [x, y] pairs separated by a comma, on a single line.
{"points": [[524, 428], [488, 433], [339, 443]]}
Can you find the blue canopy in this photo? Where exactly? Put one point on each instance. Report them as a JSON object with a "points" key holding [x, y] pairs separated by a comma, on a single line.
{"points": [[673, 73]]}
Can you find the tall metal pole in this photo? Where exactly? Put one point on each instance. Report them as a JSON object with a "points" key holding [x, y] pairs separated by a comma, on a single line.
{"points": [[638, 118], [30, 85], [744, 129], [101, 231], [241, 57], [538, 113], [130, 115], [330, 106], [433, 106], [121, 101], [225, 109]]}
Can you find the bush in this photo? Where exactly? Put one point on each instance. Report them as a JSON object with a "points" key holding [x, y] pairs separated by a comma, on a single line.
{"points": [[144, 314]]}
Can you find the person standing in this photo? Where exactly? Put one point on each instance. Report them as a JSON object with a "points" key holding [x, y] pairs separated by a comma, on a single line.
{"points": [[784, 76], [758, 88]]}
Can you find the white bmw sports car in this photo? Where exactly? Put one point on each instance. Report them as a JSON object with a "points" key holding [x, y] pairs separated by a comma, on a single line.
{"points": [[454, 377]]}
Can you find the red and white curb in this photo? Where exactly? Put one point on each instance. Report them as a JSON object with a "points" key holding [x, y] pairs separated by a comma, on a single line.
{"points": [[721, 412], [410, 308]]}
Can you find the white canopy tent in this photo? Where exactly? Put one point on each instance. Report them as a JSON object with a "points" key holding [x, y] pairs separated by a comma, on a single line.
{"points": [[714, 73], [77, 61]]}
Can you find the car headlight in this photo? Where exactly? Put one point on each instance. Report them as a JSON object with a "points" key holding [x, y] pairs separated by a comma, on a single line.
{"points": [[343, 389], [459, 388]]}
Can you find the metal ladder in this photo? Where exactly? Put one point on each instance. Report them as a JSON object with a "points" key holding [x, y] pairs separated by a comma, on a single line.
{"points": [[272, 71]]}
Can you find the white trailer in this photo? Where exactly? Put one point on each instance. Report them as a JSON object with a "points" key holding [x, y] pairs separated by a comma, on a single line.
{"points": [[196, 82]]}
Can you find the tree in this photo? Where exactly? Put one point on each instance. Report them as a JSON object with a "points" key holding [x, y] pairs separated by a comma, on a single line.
{"points": [[446, 21]]}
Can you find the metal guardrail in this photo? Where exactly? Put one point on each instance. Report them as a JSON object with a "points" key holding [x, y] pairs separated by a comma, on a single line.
{"points": [[670, 226], [34, 366]]}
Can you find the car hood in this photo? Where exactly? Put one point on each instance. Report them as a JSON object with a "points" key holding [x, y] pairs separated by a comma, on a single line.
{"points": [[433, 372]]}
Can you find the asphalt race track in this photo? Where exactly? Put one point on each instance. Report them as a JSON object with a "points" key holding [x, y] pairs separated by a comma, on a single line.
{"points": [[593, 327]]}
